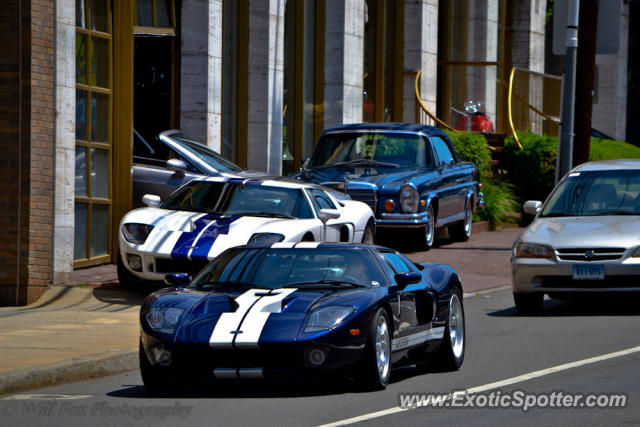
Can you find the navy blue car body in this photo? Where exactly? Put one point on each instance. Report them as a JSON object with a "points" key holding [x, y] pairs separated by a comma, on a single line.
{"points": [[309, 310], [409, 174]]}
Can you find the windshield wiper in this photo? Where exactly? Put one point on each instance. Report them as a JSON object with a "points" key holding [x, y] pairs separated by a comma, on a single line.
{"points": [[232, 285], [365, 162], [263, 214], [325, 282]]}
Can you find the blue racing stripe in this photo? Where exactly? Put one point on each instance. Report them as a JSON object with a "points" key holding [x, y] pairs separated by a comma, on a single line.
{"points": [[200, 247]]}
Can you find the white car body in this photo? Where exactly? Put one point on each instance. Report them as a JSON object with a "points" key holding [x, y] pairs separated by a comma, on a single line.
{"points": [[592, 249], [184, 241]]}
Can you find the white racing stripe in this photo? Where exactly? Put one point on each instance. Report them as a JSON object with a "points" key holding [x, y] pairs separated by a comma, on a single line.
{"points": [[495, 385], [307, 245], [246, 323], [417, 338]]}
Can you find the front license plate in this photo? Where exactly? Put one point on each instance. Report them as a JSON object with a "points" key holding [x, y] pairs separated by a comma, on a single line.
{"points": [[588, 272]]}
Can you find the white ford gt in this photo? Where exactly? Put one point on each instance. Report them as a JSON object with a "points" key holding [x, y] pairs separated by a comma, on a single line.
{"points": [[207, 216]]}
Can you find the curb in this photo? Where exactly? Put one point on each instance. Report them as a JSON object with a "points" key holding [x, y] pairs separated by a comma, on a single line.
{"points": [[76, 369]]}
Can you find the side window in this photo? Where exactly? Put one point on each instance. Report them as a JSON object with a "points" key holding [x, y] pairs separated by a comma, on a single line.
{"points": [[445, 156], [302, 209], [156, 153], [396, 262], [321, 200]]}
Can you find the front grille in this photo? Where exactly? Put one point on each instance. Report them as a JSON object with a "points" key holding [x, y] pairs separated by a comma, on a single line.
{"points": [[180, 265], [608, 282], [589, 254], [285, 356], [366, 195]]}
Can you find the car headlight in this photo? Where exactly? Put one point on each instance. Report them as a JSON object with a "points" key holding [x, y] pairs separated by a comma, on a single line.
{"points": [[164, 319], [136, 233], [265, 238], [326, 318], [530, 250], [409, 198]]}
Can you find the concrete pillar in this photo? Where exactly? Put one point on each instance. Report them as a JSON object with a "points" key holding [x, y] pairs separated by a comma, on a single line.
{"points": [[420, 53], [65, 140], [265, 85], [610, 110], [344, 62], [201, 71]]}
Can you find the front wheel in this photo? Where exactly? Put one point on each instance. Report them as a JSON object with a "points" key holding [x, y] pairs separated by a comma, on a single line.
{"points": [[375, 367], [125, 278], [429, 230], [152, 377], [368, 236], [529, 303], [451, 351]]}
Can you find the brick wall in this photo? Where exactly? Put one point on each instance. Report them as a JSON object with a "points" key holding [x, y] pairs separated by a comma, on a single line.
{"points": [[27, 119]]}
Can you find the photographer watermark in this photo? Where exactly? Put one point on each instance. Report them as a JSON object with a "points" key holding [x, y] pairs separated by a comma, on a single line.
{"points": [[517, 399]]}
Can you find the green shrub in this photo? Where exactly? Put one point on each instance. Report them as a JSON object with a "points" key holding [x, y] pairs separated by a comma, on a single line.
{"points": [[498, 195], [531, 170], [607, 149], [500, 203], [473, 147]]}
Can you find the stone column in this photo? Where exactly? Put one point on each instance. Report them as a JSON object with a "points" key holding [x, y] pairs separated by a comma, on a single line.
{"points": [[420, 53], [265, 85], [65, 140], [610, 110], [201, 71], [344, 62]]}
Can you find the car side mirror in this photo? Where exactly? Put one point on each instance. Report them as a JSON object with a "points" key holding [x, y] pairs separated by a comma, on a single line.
{"points": [[532, 207], [327, 214], [178, 280], [409, 278], [305, 164], [151, 200], [177, 165]]}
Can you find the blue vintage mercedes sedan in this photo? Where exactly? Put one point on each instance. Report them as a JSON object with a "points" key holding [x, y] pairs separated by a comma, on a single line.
{"points": [[409, 174]]}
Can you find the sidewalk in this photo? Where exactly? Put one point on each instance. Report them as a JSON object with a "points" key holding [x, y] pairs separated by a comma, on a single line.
{"points": [[90, 328]]}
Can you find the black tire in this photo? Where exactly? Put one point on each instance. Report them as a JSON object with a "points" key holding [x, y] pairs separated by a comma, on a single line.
{"points": [[368, 237], [461, 231], [153, 378], [125, 278], [451, 352], [530, 303], [370, 375], [428, 235]]}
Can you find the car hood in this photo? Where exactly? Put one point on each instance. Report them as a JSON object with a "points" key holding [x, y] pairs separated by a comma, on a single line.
{"points": [[584, 231], [263, 316], [201, 235], [380, 176]]}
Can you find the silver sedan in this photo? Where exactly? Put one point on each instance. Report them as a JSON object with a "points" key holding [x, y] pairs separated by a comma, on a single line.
{"points": [[584, 239]]}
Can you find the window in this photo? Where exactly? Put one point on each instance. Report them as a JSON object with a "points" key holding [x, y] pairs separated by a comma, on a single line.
{"points": [[321, 200], [93, 132], [396, 262], [445, 157]]}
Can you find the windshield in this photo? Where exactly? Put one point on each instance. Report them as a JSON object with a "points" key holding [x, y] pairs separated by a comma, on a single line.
{"points": [[204, 153], [378, 149], [226, 198], [615, 192], [275, 268]]}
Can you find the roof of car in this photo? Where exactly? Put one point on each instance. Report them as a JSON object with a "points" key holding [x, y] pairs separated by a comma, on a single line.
{"points": [[311, 245], [604, 165], [398, 127]]}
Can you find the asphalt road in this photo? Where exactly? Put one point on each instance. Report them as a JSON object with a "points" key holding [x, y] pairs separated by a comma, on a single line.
{"points": [[501, 346]]}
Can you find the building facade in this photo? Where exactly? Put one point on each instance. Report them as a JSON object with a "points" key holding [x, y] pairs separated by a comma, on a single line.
{"points": [[256, 80]]}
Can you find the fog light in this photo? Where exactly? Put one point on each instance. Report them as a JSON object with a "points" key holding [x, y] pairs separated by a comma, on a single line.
{"points": [[389, 205], [162, 356], [317, 357], [135, 262]]}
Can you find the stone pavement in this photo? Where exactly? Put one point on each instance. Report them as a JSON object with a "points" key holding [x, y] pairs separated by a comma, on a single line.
{"points": [[90, 327]]}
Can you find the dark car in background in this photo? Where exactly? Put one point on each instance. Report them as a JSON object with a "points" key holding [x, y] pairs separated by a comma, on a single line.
{"points": [[409, 174], [172, 159]]}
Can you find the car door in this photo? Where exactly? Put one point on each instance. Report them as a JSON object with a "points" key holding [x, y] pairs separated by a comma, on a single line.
{"points": [[150, 173], [336, 229], [412, 306]]}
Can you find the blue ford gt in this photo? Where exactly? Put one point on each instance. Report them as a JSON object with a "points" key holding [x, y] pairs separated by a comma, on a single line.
{"points": [[302, 309]]}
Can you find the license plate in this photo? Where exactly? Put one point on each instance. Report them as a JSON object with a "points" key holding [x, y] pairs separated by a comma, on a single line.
{"points": [[588, 272]]}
